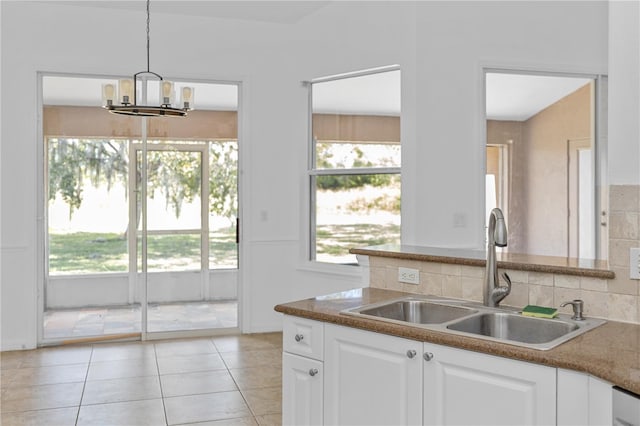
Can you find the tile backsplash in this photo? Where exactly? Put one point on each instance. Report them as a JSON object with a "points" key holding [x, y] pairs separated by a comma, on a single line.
{"points": [[615, 299]]}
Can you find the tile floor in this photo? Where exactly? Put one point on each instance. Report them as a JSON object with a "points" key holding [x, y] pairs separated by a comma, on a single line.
{"points": [[225, 380], [74, 323]]}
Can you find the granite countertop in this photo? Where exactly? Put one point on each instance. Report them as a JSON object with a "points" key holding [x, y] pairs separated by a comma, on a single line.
{"points": [[470, 257], [610, 351]]}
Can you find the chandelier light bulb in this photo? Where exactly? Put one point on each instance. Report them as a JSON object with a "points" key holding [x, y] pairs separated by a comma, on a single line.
{"points": [[108, 94], [187, 97], [126, 91], [166, 92]]}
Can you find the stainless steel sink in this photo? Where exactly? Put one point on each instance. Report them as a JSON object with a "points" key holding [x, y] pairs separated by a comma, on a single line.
{"points": [[508, 326], [471, 319], [417, 311]]}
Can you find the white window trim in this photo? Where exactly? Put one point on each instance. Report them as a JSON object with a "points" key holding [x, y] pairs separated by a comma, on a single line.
{"points": [[306, 262]]}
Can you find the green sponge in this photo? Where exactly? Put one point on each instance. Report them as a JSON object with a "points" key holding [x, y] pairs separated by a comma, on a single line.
{"points": [[539, 311]]}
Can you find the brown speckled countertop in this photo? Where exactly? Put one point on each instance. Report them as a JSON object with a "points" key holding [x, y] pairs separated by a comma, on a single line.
{"points": [[610, 352], [522, 262]]}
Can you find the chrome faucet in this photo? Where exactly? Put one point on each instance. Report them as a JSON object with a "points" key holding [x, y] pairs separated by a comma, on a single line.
{"points": [[496, 236]]}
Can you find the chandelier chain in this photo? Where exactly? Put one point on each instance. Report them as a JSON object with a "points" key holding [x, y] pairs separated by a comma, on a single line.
{"points": [[148, 38]]}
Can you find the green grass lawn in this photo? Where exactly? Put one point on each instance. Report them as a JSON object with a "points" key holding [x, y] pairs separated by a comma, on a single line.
{"points": [[94, 253], [90, 253], [336, 240]]}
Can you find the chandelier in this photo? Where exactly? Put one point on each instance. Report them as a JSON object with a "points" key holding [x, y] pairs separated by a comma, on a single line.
{"points": [[127, 92]]}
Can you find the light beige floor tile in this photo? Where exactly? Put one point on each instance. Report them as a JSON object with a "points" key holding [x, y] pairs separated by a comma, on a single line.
{"points": [[138, 413], [206, 407], [257, 377], [244, 359], [119, 351], [246, 342], [185, 347], [61, 355], [55, 416], [243, 421], [118, 390], [264, 401], [122, 368], [190, 363], [275, 337], [48, 375], [7, 376], [270, 420], [13, 359], [41, 397], [197, 383]]}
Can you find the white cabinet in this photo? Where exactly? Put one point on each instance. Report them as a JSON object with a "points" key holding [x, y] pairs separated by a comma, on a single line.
{"points": [[337, 375], [583, 400], [302, 372], [462, 387], [371, 378], [600, 402], [303, 337], [302, 388]]}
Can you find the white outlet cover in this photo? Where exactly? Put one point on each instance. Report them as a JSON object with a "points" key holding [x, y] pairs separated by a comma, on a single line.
{"points": [[409, 275]]}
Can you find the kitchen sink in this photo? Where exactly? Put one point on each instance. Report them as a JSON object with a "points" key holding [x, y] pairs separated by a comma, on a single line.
{"points": [[508, 326], [417, 311], [470, 319]]}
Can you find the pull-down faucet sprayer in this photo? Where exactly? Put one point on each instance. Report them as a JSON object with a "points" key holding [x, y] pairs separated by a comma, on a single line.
{"points": [[496, 237]]}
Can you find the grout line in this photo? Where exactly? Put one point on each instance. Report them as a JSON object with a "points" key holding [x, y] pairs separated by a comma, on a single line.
{"points": [[253, 415], [164, 407], [84, 385]]}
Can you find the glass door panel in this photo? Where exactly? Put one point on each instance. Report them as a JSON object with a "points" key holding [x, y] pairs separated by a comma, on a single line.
{"points": [[174, 244]]}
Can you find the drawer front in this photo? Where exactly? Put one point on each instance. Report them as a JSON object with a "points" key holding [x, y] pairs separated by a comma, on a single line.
{"points": [[303, 336]]}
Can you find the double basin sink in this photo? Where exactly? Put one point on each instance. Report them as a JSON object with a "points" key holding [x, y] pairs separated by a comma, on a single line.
{"points": [[475, 320]]}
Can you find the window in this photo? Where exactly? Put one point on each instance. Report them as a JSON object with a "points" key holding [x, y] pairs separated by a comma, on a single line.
{"points": [[93, 183], [354, 172], [88, 187], [549, 141]]}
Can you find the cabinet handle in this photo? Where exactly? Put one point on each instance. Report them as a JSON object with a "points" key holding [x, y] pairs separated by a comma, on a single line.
{"points": [[411, 353], [299, 337], [428, 356], [313, 372]]}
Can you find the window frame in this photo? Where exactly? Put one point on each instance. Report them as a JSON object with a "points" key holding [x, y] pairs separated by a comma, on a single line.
{"points": [[313, 172]]}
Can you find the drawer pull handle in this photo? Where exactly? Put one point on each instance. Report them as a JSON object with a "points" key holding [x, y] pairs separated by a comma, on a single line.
{"points": [[299, 337], [313, 372], [428, 356], [411, 353]]}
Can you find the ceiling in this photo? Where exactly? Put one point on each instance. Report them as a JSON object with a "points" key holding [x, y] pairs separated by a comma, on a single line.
{"points": [[517, 97], [282, 12]]}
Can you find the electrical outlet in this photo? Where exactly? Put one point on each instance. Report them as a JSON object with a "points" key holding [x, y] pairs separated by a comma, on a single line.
{"points": [[409, 276], [634, 263]]}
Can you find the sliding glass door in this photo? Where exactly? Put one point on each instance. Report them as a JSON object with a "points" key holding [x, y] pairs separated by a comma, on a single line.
{"points": [[141, 233]]}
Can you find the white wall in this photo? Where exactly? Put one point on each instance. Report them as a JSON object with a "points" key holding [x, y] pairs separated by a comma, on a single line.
{"points": [[455, 40], [624, 93], [440, 47]]}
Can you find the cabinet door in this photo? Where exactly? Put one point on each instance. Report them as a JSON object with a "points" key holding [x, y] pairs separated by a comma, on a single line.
{"points": [[371, 378], [301, 390], [573, 398], [600, 402], [469, 388]]}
